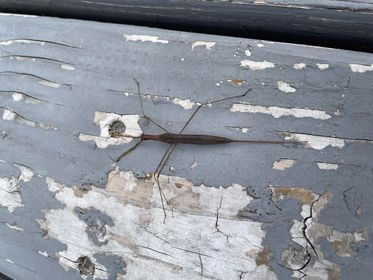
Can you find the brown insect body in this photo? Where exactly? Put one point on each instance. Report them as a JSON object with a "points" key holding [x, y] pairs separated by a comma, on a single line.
{"points": [[197, 139], [202, 139]]}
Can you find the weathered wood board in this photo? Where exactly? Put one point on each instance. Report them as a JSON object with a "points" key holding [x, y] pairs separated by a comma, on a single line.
{"points": [[239, 211]]}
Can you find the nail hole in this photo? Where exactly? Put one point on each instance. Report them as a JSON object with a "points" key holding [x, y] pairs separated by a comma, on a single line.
{"points": [[116, 129], [85, 265]]}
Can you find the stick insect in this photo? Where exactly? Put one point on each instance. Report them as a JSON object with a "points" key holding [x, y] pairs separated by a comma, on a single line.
{"points": [[179, 138]]}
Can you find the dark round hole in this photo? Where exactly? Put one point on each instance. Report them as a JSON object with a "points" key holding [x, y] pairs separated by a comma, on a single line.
{"points": [[116, 129], [85, 265]]}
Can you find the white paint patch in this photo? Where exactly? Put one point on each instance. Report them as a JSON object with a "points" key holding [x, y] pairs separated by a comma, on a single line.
{"points": [[248, 52], [327, 166], [244, 129], [184, 247], [47, 126], [12, 116], [50, 84], [10, 261], [43, 253], [9, 195], [102, 142], [322, 66], [145, 38], [358, 68], [240, 129], [67, 67], [9, 184], [299, 66], [26, 173], [17, 97], [316, 142], [14, 227], [64, 66], [256, 65], [283, 164], [186, 103], [285, 87], [20, 58], [9, 115], [278, 112], [52, 185], [20, 41], [207, 45], [104, 120]]}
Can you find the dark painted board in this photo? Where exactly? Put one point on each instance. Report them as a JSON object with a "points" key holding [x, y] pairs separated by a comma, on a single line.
{"points": [[340, 24], [240, 211]]}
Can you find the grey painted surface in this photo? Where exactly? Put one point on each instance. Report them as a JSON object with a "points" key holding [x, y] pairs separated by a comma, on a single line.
{"points": [[105, 64]]}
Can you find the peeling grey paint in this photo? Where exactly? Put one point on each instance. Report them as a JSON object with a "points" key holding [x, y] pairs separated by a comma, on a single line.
{"points": [[114, 264], [105, 63], [96, 223]]}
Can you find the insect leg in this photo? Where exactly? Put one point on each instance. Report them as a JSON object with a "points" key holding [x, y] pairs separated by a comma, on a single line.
{"points": [[159, 170], [156, 178], [129, 150], [142, 108], [164, 159], [211, 102]]}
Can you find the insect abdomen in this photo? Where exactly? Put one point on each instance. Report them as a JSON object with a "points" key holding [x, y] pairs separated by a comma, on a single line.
{"points": [[197, 139]]}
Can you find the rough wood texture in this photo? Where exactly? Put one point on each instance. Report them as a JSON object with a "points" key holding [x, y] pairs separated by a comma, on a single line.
{"points": [[240, 211], [332, 23]]}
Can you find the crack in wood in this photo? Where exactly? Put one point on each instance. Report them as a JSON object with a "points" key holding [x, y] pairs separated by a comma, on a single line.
{"points": [[217, 220], [41, 42], [41, 79], [28, 97], [18, 56], [201, 265], [13, 116]]}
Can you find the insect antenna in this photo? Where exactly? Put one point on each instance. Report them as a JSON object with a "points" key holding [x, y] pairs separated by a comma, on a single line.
{"points": [[142, 108], [211, 102]]}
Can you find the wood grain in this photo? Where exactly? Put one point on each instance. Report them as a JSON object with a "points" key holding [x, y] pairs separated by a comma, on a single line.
{"points": [[240, 211]]}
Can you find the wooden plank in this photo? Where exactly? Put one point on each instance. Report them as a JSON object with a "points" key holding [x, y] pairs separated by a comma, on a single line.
{"points": [[339, 24], [239, 211]]}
